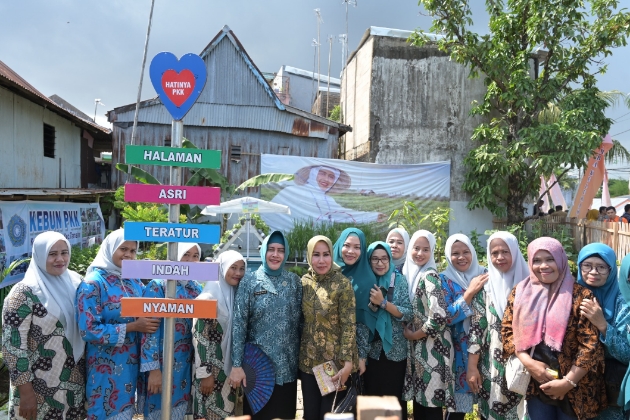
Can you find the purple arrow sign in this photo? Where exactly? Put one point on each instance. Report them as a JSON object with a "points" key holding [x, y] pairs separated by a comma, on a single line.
{"points": [[171, 270]]}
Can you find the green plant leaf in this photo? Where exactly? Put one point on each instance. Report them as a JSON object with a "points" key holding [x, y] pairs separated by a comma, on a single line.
{"points": [[262, 179], [139, 174]]}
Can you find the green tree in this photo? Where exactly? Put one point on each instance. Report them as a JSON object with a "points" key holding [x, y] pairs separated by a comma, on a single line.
{"points": [[570, 38], [616, 187]]}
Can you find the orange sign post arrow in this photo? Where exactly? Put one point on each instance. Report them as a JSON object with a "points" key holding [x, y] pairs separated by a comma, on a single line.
{"points": [[169, 308]]}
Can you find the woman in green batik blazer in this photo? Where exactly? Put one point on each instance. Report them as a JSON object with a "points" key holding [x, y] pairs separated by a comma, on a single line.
{"points": [[328, 310]]}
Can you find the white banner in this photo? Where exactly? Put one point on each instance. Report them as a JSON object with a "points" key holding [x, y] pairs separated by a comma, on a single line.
{"points": [[21, 221], [340, 191]]}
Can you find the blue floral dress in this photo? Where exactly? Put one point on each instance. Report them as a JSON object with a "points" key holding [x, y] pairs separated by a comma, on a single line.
{"points": [[458, 312], [151, 356], [112, 354]]}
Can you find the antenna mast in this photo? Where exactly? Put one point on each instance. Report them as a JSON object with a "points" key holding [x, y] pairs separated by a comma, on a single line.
{"points": [[319, 22], [345, 49]]}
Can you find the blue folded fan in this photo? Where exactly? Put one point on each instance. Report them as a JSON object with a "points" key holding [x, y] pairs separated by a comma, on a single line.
{"points": [[260, 377]]}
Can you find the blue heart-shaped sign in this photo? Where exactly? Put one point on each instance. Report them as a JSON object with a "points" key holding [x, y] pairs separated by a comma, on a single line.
{"points": [[178, 82]]}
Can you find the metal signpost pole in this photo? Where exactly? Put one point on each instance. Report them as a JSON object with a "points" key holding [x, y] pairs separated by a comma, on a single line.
{"points": [[177, 132]]}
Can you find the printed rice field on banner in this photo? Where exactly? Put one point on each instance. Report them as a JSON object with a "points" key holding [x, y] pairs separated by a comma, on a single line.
{"points": [[337, 191]]}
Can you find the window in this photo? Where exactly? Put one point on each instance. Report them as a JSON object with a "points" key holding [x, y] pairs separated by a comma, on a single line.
{"points": [[49, 141], [235, 153]]}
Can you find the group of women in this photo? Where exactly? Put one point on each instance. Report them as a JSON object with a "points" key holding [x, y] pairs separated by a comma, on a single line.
{"points": [[380, 312]]}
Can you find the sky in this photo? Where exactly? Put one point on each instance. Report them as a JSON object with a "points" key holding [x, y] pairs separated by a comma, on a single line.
{"points": [[84, 50]]}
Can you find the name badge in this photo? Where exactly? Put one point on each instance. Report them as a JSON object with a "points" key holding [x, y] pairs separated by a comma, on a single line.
{"points": [[262, 292]]}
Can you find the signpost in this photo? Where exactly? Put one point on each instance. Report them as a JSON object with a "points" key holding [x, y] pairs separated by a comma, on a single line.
{"points": [[173, 156], [169, 308], [172, 270], [172, 194], [178, 84], [172, 232]]}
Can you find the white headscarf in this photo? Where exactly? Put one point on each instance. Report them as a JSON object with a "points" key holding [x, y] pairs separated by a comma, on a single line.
{"points": [[56, 293], [411, 269], [463, 279], [105, 254], [184, 247], [224, 294], [500, 284], [405, 236], [312, 177]]}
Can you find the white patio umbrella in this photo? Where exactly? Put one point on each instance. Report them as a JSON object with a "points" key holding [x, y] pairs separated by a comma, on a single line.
{"points": [[247, 206]]}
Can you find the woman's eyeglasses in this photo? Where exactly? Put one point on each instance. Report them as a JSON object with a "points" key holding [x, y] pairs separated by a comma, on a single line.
{"points": [[601, 269], [383, 261]]}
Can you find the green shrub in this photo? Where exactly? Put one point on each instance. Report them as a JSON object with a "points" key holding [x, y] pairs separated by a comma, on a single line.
{"points": [[81, 258]]}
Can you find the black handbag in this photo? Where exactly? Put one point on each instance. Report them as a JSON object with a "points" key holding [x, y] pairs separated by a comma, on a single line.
{"points": [[544, 353], [348, 404], [613, 377]]}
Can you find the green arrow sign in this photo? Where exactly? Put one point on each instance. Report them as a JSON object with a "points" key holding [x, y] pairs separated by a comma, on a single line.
{"points": [[173, 156]]}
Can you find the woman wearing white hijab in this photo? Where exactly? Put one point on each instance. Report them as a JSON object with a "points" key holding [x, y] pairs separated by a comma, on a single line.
{"points": [[398, 241], [462, 281], [150, 393], [428, 380], [312, 188], [113, 345], [213, 342], [506, 269], [41, 343]]}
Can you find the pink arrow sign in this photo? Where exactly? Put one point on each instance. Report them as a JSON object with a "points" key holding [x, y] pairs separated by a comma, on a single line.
{"points": [[171, 270], [170, 194]]}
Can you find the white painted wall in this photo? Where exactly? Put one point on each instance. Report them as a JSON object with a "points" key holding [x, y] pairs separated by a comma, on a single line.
{"points": [[22, 161]]}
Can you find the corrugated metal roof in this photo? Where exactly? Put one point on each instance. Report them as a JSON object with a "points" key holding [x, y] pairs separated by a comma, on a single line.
{"points": [[310, 75], [236, 95], [10, 78], [52, 191]]}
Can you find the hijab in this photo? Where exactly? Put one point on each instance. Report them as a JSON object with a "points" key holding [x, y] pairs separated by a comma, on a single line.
{"points": [[224, 294], [624, 288], [105, 254], [381, 320], [360, 273], [500, 285], [312, 177], [276, 237], [411, 270], [462, 278], [606, 294], [184, 247], [56, 293], [541, 311], [405, 236], [310, 248]]}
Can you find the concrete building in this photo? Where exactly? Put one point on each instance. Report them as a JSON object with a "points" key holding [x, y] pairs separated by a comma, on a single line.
{"points": [[48, 150], [408, 104], [237, 113], [298, 88], [326, 100]]}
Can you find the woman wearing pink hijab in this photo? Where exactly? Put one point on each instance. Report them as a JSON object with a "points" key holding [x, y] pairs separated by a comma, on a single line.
{"points": [[567, 362]]}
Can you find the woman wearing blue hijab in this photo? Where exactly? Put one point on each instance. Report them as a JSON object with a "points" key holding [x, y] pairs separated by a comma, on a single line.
{"points": [[350, 253], [390, 309], [608, 311], [267, 312]]}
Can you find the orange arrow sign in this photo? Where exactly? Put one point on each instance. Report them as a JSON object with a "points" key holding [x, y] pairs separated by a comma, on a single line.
{"points": [[169, 308]]}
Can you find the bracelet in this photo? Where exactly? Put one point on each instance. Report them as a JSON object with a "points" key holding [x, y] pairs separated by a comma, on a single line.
{"points": [[571, 382], [384, 303]]}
